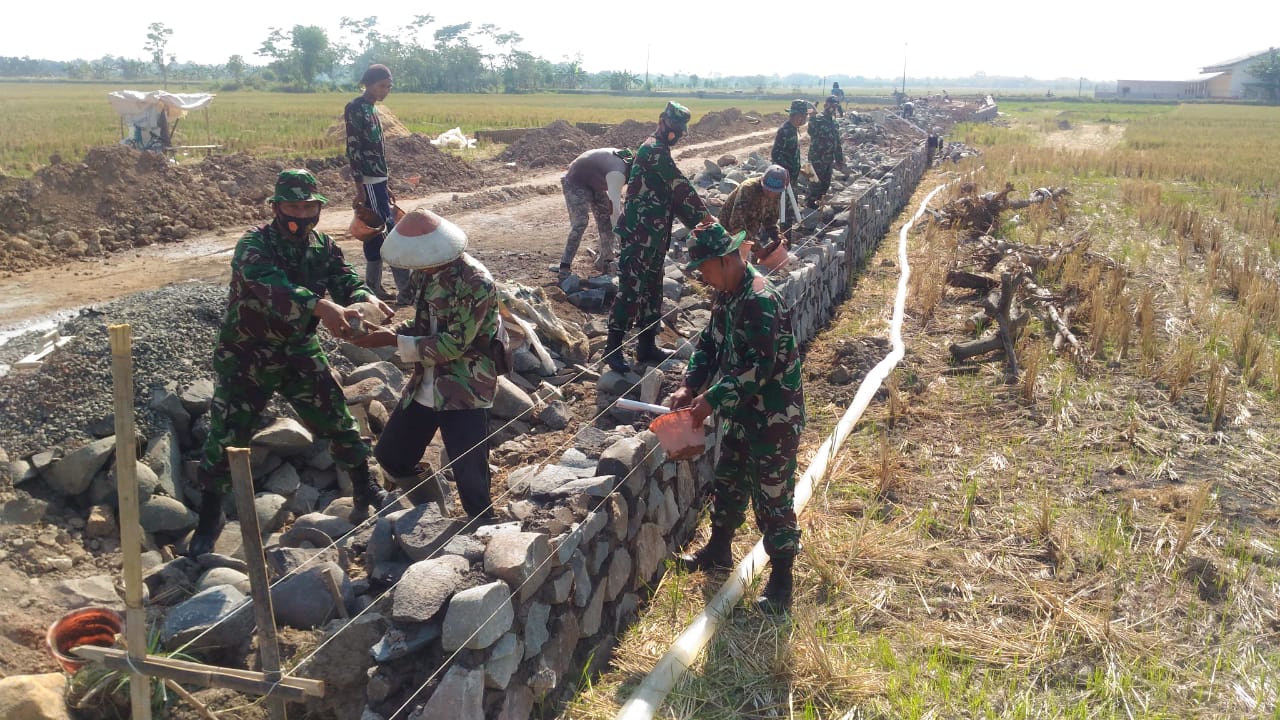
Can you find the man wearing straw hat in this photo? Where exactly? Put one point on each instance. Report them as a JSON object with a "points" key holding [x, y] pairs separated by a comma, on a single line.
{"points": [[280, 274], [657, 193], [746, 369], [451, 343]]}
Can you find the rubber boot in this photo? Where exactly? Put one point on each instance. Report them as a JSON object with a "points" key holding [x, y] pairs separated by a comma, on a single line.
{"points": [[364, 493], [647, 350], [717, 554], [776, 598], [613, 356], [404, 285], [423, 488], [373, 278], [207, 526]]}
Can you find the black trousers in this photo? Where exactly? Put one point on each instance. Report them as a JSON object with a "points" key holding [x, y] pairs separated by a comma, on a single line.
{"points": [[465, 432]]}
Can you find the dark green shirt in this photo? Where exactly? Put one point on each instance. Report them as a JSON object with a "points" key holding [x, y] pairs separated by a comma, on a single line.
{"points": [[364, 140]]}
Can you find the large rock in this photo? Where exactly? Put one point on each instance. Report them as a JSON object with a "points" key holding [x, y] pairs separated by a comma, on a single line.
{"points": [[459, 695], [99, 590], [164, 457], [422, 530], [303, 600], [197, 397], [389, 374], [224, 611], [72, 474], [165, 514], [146, 478], [520, 558], [34, 697], [284, 436], [477, 617], [271, 509], [368, 389], [425, 588], [511, 402]]}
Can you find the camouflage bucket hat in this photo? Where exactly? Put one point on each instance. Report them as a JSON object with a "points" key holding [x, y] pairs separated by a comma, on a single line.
{"points": [[625, 154], [798, 107], [676, 114], [294, 185], [712, 240]]}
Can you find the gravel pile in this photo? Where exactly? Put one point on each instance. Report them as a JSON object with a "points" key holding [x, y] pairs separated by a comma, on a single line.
{"points": [[174, 330]]}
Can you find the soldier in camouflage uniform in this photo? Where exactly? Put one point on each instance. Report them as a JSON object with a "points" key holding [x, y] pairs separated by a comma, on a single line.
{"points": [[753, 207], [368, 162], [825, 152], [786, 146], [746, 368], [280, 274], [657, 192], [450, 343]]}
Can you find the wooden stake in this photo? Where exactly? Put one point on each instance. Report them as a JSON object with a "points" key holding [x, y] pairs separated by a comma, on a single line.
{"points": [[181, 692], [135, 624], [291, 688], [259, 585]]}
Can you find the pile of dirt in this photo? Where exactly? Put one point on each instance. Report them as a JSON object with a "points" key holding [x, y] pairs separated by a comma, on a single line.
{"points": [[722, 124], [437, 170], [116, 199], [627, 134], [556, 144]]}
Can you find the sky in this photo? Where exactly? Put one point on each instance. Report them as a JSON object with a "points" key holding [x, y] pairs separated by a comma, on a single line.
{"points": [[1081, 38]]}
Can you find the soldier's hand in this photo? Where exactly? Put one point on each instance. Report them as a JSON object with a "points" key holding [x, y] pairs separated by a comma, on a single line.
{"points": [[701, 409], [334, 318], [680, 398]]}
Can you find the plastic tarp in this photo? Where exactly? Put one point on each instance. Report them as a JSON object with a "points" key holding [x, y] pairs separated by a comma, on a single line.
{"points": [[152, 113]]}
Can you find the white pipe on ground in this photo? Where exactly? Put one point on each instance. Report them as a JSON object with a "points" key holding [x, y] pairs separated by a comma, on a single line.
{"points": [[647, 698]]}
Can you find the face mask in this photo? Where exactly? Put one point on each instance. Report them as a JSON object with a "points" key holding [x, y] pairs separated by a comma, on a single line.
{"points": [[672, 135], [297, 228]]}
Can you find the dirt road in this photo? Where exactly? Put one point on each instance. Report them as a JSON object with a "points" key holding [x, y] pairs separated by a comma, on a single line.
{"points": [[517, 239]]}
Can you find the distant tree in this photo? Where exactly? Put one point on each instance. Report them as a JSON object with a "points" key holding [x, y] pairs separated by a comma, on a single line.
{"points": [[157, 40], [623, 81], [78, 70], [693, 81], [236, 66], [1267, 71], [311, 48]]}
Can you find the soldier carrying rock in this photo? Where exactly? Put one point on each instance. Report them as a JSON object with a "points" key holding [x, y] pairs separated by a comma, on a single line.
{"points": [[280, 274]]}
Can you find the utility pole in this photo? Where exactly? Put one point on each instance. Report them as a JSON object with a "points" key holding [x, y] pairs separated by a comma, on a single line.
{"points": [[904, 69]]}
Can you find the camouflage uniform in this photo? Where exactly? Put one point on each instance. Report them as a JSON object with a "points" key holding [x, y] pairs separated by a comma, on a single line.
{"points": [[268, 344], [454, 379], [824, 153], [760, 401], [582, 202], [364, 140], [656, 192], [786, 149], [750, 207]]}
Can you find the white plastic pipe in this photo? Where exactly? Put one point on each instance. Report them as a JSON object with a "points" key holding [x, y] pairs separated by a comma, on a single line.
{"points": [[627, 404], [655, 687]]}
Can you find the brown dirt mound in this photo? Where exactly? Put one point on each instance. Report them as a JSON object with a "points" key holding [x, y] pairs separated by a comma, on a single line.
{"points": [[438, 170], [627, 134], [556, 144]]}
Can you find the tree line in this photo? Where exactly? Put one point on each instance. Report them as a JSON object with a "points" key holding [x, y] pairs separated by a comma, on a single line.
{"points": [[460, 58]]}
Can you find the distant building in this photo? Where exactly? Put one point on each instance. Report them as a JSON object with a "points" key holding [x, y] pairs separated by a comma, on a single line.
{"points": [[1232, 79], [1229, 80]]}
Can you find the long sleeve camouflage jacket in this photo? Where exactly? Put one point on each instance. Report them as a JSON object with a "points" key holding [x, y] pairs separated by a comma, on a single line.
{"points": [[656, 192], [749, 344], [749, 207], [364, 140], [454, 323], [276, 283], [824, 141], [786, 149]]}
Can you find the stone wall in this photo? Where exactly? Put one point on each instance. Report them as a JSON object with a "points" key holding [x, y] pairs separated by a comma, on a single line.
{"points": [[559, 587]]}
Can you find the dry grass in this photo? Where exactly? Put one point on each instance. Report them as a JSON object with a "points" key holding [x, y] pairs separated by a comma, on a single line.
{"points": [[1078, 545]]}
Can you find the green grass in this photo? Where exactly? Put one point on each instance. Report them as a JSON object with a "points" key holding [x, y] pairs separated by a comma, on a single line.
{"points": [[43, 119]]}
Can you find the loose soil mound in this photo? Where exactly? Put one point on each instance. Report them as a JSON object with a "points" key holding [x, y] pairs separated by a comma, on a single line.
{"points": [[556, 144], [627, 134]]}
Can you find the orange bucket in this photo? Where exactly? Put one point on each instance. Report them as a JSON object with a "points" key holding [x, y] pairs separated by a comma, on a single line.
{"points": [[86, 626], [678, 435]]}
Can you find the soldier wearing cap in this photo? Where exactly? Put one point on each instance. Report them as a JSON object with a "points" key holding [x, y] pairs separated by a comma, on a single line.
{"points": [[786, 143], [825, 152], [657, 192], [593, 186], [754, 205], [746, 369], [450, 343], [280, 275]]}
